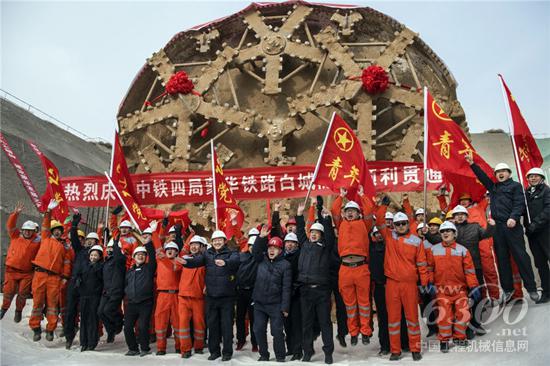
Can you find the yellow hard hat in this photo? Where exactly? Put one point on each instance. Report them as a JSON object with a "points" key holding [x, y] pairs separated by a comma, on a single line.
{"points": [[81, 233], [449, 215], [435, 221], [54, 224]]}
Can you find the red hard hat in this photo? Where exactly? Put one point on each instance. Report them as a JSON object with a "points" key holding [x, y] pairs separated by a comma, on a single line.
{"points": [[275, 242], [291, 221]]}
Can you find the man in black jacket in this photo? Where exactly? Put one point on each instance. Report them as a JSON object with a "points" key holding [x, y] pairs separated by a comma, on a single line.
{"points": [[139, 285], [537, 226], [246, 276], [314, 279], [221, 269], [507, 207], [81, 260], [114, 271], [271, 294], [293, 322]]}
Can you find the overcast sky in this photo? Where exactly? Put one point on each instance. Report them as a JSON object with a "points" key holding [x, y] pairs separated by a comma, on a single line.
{"points": [[76, 60]]}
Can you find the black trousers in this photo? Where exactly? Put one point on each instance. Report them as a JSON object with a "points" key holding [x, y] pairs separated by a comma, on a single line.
{"points": [[293, 325], [315, 305], [429, 311], [263, 313], [382, 316], [71, 311], [540, 247], [89, 321], [511, 242], [476, 310], [244, 306], [140, 312], [219, 320], [109, 313], [341, 314]]}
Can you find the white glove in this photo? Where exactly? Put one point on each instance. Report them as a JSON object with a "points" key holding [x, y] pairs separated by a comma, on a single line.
{"points": [[153, 225], [53, 204]]}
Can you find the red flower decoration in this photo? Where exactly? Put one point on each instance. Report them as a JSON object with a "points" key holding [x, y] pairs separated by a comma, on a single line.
{"points": [[375, 79], [179, 83]]}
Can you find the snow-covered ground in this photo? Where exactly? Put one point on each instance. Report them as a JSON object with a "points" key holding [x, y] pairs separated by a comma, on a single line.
{"points": [[519, 334]]}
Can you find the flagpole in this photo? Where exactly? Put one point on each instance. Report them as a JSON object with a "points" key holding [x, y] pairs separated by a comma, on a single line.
{"points": [[214, 187], [319, 159], [425, 162], [123, 204], [109, 187], [514, 147]]}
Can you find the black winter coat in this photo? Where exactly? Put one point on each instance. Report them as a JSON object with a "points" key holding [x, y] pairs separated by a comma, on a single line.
{"points": [[89, 279], [114, 273], [139, 283], [274, 277], [315, 257], [220, 281], [538, 202], [246, 274], [469, 235], [81, 256], [507, 201], [377, 252]]}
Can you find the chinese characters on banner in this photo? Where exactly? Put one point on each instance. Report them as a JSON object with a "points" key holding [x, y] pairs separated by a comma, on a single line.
{"points": [[341, 163], [54, 186], [122, 183], [225, 205], [446, 146], [244, 184], [21, 173], [527, 154]]}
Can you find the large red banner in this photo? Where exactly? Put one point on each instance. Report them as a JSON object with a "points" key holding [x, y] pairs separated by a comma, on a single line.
{"points": [[245, 184]]}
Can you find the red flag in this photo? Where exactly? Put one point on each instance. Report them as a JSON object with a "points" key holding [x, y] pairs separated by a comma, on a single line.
{"points": [[526, 152], [341, 163], [123, 187], [54, 187], [224, 203], [444, 150]]}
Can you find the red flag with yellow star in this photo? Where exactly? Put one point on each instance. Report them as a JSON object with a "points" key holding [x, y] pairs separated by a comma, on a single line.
{"points": [[123, 187], [225, 205], [526, 152], [444, 150], [342, 163], [54, 188]]}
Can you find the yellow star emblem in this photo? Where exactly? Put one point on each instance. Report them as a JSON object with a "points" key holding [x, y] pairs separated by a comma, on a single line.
{"points": [[343, 139]]}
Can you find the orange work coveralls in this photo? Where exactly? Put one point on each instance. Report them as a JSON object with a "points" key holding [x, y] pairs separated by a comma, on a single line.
{"points": [[191, 306], [50, 265], [452, 271], [19, 272], [354, 281], [404, 264]]}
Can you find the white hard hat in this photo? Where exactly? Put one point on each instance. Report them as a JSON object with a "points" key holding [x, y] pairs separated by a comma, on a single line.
{"points": [[317, 226], [99, 248], [92, 235], [400, 216], [125, 223], [28, 225], [537, 171], [420, 211], [460, 209], [198, 239], [502, 166], [147, 230], [388, 215], [352, 204], [139, 249], [218, 234], [172, 229], [252, 240], [420, 226], [253, 232], [446, 226], [291, 237], [171, 245], [375, 229], [111, 243]]}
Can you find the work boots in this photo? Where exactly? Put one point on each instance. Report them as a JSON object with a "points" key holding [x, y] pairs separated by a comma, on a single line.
{"points": [[37, 334], [17, 317]]}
